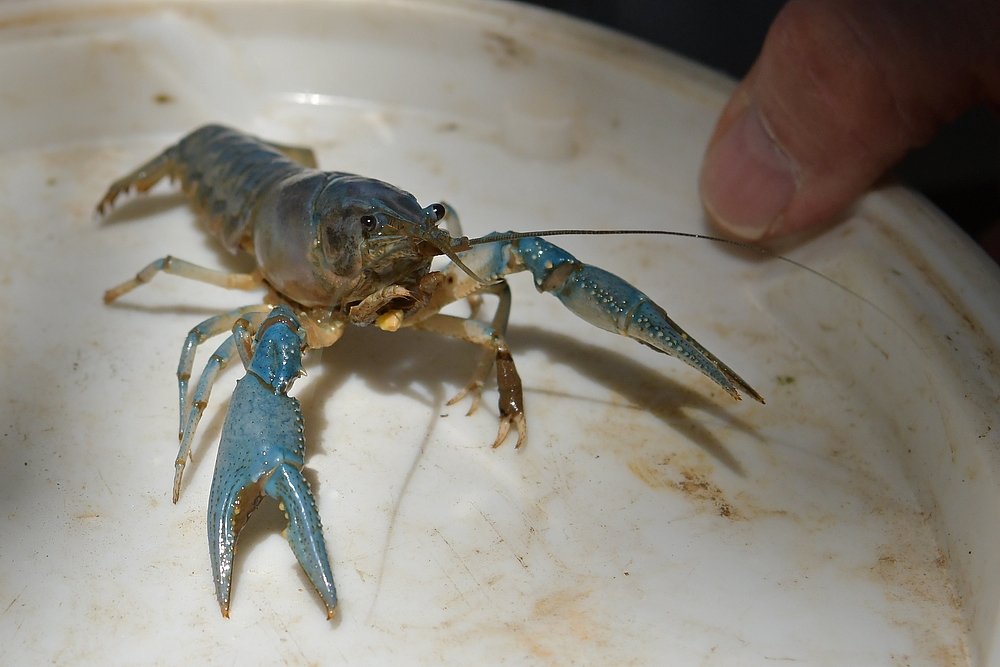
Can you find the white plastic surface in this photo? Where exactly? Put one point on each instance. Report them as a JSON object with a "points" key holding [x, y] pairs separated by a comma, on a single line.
{"points": [[649, 519]]}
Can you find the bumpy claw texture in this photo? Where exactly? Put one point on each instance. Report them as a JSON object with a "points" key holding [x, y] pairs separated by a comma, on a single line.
{"points": [[261, 454]]}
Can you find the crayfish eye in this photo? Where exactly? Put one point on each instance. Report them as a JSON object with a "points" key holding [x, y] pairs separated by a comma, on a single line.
{"points": [[368, 222], [439, 211]]}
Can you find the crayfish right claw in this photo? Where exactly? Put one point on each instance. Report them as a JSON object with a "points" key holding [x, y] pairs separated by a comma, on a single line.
{"points": [[229, 510], [261, 454]]}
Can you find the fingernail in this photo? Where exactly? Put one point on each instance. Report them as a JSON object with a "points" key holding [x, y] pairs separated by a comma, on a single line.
{"points": [[747, 180]]}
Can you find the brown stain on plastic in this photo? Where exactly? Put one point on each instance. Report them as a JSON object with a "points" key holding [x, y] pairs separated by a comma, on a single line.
{"points": [[690, 478], [566, 604], [916, 579], [571, 611]]}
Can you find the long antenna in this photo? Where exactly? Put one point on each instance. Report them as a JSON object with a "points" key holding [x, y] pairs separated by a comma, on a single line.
{"points": [[513, 236]]}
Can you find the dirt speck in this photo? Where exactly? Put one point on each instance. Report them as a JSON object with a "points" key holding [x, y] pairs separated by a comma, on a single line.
{"points": [[163, 98]]}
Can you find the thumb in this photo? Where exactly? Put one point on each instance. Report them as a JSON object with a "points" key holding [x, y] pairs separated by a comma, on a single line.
{"points": [[841, 91]]}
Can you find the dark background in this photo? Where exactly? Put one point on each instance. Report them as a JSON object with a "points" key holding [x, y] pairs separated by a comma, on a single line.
{"points": [[959, 170]]}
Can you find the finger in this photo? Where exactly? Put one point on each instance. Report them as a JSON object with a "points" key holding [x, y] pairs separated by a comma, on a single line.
{"points": [[841, 90]]}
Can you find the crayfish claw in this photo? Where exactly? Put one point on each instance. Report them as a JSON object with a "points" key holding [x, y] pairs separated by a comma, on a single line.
{"points": [[229, 510], [261, 454]]}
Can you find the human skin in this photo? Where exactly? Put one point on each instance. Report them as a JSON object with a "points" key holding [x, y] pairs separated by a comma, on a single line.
{"points": [[841, 91]]}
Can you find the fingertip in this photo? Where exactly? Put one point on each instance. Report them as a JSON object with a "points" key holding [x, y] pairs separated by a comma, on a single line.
{"points": [[841, 90], [747, 180]]}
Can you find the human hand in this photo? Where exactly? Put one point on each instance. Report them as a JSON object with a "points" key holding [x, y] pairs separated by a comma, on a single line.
{"points": [[841, 91]]}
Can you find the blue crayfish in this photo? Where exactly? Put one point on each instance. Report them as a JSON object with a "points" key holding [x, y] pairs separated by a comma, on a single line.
{"points": [[334, 249]]}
